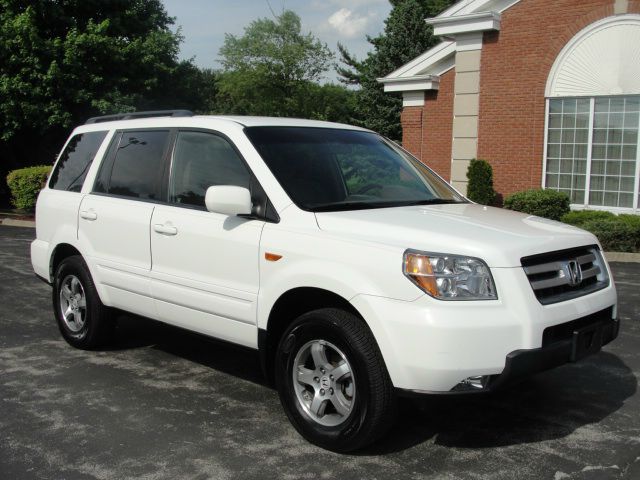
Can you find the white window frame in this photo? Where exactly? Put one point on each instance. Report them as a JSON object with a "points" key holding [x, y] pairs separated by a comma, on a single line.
{"points": [[585, 206]]}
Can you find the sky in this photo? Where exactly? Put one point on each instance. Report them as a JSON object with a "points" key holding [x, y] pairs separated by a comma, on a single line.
{"points": [[204, 23]]}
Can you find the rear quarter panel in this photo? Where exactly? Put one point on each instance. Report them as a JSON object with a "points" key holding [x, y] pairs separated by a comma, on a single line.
{"points": [[57, 214]]}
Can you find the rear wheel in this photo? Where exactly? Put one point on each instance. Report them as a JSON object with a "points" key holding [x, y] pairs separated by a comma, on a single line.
{"points": [[83, 320], [332, 381]]}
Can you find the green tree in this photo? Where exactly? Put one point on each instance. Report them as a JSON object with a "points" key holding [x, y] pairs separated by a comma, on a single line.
{"points": [[406, 35], [66, 59], [63, 61], [328, 102], [271, 67], [188, 87]]}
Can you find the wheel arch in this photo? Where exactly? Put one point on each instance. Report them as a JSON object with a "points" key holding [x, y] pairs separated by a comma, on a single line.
{"points": [[289, 306], [58, 254]]}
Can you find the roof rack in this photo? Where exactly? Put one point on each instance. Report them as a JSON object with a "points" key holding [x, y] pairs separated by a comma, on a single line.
{"points": [[133, 115]]}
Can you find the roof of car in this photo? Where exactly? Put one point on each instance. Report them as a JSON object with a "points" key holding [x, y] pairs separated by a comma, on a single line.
{"points": [[202, 120], [249, 121]]}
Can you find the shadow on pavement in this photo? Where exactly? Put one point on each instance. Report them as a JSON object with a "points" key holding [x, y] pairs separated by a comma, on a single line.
{"points": [[548, 406], [137, 332]]}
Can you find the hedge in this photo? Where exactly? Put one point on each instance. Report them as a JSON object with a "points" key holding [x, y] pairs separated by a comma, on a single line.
{"points": [[543, 203], [617, 233], [632, 220], [25, 184], [580, 217]]}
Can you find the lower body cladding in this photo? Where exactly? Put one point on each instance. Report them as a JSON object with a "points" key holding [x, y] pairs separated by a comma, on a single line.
{"points": [[434, 346]]}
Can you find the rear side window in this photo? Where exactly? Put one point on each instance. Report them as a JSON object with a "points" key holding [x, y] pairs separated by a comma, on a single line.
{"points": [[137, 169], [75, 161], [201, 160]]}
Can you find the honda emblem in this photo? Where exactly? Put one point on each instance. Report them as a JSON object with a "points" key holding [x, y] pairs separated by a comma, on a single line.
{"points": [[574, 272]]}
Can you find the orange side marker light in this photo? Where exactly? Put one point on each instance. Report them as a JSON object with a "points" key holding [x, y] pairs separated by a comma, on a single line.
{"points": [[272, 257]]}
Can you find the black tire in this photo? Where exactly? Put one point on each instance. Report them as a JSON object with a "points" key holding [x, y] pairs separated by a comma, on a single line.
{"points": [[95, 325], [372, 410]]}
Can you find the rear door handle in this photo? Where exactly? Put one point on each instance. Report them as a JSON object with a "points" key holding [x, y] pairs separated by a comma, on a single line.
{"points": [[165, 229], [89, 215]]}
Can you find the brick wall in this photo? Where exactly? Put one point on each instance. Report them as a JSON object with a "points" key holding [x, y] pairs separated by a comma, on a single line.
{"points": [[427, 132], [515, 66], [411, 119], [438, 126]]}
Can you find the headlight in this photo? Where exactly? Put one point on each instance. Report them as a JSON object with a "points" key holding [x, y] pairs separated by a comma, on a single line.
{"points": [[449, 277]]}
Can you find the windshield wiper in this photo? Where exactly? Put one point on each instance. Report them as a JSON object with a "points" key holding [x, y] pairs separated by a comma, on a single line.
{"points": [[339, 206], [437, 201]]}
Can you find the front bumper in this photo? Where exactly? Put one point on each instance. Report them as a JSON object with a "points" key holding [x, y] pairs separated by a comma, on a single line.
{"points": [[430, 346], [566, 343]]}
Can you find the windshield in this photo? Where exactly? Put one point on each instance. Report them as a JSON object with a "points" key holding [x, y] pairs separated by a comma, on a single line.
{"points": [[326, 169]]}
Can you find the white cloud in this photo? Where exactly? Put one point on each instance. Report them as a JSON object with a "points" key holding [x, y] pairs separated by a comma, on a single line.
{"points": [[349, 24]]}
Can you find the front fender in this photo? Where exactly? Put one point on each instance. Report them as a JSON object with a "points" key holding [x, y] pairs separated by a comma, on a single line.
{"points": [[323, 261]]}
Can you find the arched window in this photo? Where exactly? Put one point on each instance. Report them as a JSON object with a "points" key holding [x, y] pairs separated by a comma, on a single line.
{"points": [[592, 149]]}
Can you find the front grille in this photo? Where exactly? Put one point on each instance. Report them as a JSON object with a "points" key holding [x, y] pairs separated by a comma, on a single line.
{"points": [[566, 274]]}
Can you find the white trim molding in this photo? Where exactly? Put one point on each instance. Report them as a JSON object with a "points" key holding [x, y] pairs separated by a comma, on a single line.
{"points": [[602, 59], [472, 22], [466, 20], [466, 42], [413, 99], [462, 26], [408, 84], [462, 7], [422, 73], [423, 63]]}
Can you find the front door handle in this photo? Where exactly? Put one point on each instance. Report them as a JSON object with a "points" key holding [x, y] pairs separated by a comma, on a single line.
{"points": [[90, 215], [165, 229]]}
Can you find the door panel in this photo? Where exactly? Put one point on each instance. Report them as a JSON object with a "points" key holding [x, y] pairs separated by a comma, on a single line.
{"points": [[208, 324], [205, 271], [114, 233], [114, 222], [205, 264]]}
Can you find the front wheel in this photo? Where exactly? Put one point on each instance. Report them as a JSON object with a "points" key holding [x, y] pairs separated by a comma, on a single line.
{"points": [[332, 381]]}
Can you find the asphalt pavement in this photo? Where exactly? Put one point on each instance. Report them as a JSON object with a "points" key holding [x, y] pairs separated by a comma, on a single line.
{"points": [[163, 403]]}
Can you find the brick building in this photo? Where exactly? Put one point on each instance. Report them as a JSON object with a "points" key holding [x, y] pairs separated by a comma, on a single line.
{"points": [[547, 91]]}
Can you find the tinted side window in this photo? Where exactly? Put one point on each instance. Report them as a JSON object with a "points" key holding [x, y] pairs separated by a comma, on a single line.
{"points": [[138, 166], [201, 160], [75, 161]]}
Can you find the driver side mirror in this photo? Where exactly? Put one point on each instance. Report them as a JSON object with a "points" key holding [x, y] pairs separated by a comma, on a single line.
{"points": [[228, 200]]}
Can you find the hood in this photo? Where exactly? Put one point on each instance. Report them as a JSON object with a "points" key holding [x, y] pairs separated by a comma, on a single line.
{"points": [[499, 237]]}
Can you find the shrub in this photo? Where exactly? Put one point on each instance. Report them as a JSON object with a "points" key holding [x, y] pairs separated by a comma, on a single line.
{"points": [[25, 184], [632, 220], [615, 235], [480, 187], [543, 203], [579, 217]]}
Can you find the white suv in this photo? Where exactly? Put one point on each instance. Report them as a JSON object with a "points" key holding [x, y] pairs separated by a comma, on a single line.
{"points": [[357, 272]]}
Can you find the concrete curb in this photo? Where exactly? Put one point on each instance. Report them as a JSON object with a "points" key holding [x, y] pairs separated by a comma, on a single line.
{"points": [[10, 222], [622, 257]]}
